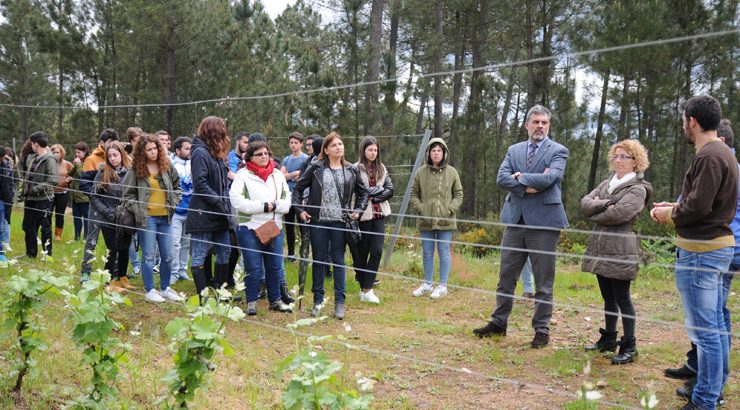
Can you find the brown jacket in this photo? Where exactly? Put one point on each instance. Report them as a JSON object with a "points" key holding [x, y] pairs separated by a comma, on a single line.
{"points": [[613, 238], [63, 170]]}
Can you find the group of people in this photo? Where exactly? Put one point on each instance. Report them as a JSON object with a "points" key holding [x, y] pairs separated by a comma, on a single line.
{"points": [[706, 217], [203, 199]]}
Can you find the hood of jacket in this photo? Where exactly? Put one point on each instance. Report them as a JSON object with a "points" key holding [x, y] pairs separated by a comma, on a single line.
{"points": [[445, 150], [639, 179], [197, 144]]}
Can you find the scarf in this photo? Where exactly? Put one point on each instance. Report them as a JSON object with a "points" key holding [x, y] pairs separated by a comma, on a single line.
{"points": [[263, 173], [615, 182]]}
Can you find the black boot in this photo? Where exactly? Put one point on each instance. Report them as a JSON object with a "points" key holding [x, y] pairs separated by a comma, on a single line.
{"points": [[627, 351], [606, 343], [222, 273], [199, 278], [285, 295]]}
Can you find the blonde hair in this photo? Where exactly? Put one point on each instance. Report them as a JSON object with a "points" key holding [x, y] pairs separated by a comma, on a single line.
{"points": [[635, 150], [61, 149]]}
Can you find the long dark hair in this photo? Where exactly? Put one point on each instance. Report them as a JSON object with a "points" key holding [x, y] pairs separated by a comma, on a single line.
{"points": [[377, 165], [110, 175], [212, 130]]}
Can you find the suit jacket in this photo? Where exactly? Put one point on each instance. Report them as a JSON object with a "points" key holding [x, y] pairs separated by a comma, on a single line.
{"points": [[544, 208]]}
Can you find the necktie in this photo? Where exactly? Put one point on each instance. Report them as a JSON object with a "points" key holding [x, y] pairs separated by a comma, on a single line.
{"points": [[530, 155]]}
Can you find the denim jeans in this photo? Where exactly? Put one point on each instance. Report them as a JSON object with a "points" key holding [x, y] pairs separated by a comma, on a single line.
{"points": [[261, 262], [528, 277], [691, 355], [92, 233], [133, 253], [4, 229], [79, 214], [328, 244], [202, 242], [3, 241], [442, 240], [158, 232], [180, 246], [699, 282]]}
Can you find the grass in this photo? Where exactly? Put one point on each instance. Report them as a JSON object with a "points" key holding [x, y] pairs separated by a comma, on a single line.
{"points": [[415, 348]]}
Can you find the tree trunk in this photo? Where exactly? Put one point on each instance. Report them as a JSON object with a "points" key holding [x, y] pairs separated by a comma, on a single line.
{"points": [[531, 92], [457, 78], [390, 87], [478, 37], [599, 134], [373, 66], [623, 132], [60, 99], [502, 130], [170, 97], [438, 56]]}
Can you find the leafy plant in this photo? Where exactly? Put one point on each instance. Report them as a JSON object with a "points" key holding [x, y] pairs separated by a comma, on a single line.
{"points": [[23, 298], [89, 312], [196, 341], [314, 382]]}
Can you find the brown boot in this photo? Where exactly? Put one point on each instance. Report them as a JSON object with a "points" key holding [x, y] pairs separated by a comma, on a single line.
{"points": [[58, 234], [124, 283], [115, 286]]}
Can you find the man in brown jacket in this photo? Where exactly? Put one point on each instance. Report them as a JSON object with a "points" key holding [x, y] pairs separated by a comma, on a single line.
{"points": [[705, 244]]}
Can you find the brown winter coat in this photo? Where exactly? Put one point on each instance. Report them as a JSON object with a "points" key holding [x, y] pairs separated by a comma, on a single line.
{"points": [[614, 214]]}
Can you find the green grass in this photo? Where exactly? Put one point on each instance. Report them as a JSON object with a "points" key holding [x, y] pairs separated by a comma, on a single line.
{"points": [[412, 331]]}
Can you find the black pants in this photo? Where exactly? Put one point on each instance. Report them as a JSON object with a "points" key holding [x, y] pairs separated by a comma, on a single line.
{"points": [[59, 206], [37, 214], [368, 252], [616, 294], [289, 229], [117, 263]]}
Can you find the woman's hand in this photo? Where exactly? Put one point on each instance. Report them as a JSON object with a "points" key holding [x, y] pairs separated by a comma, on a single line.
{"points": [[305, 217], [355, 215]]}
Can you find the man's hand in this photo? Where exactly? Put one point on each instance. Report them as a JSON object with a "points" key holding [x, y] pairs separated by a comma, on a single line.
{"points": [[531, 190], [661, 212], [516, 175]]}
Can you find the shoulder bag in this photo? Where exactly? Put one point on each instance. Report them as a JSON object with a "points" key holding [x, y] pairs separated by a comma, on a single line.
{"points": [[268, 231]]}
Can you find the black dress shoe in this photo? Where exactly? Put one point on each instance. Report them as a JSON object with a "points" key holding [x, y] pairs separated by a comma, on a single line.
{"points": [[690, 406], [687, 390], [540, 340], [490, 329], [682, 372]]}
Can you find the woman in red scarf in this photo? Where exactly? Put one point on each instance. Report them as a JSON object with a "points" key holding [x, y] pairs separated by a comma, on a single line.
{"points": [[261, 196]]}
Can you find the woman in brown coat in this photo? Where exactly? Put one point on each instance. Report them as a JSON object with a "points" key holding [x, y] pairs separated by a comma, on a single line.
{"points": [[613, 247]]}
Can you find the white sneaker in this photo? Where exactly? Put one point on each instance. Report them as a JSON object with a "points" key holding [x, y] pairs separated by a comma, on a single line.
{"points": [[171, 295], [423, 289], [439, 291], [154, 296], [369, 297]]}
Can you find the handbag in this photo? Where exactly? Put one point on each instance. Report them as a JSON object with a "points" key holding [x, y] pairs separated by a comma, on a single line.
{"points": [[353, 235], [268, 231], [124, 219]]}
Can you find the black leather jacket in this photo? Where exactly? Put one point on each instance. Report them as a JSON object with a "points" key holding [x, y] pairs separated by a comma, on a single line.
{"points": [[312, 179], [210, 208]]}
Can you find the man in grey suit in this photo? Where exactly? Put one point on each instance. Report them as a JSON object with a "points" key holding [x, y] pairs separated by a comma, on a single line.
{"points": [[531, 171]]}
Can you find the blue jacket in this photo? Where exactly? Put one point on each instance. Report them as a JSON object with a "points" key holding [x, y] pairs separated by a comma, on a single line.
{"points": [[544, 208], [186, 183], [234, 161]]}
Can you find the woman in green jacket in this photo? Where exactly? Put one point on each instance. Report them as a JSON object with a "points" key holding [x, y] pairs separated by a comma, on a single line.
{"points": [[436, 194]]}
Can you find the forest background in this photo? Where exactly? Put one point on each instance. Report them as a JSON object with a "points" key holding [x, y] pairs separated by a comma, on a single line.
{"points": [[95, 64]]}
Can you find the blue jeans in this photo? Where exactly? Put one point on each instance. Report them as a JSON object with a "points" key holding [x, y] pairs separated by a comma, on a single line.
{"points": [[79, 212], [327, 243], [180, 246], [442, 240], [133, 253], [528, 277], [202, 242], [261, 262], [699, 282], [158, 232], [3, 241], [691, 355]]}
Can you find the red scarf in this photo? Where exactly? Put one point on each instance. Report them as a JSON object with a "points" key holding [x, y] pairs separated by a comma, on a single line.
{"points": [[263, 173]]}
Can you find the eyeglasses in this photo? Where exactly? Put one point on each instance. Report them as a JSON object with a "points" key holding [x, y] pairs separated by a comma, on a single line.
{"points": [[261, 154], [622, 157]]}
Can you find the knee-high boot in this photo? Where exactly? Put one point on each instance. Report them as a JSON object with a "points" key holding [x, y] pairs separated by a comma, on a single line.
{"points": [[199, 278]]}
